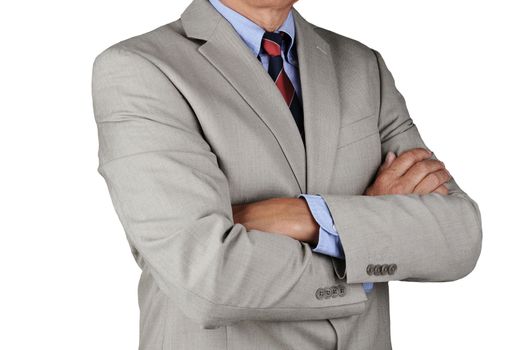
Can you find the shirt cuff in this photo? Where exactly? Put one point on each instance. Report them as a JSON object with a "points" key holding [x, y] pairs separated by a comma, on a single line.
{"points": [[329, 244], [328, 239], [367, 286]]}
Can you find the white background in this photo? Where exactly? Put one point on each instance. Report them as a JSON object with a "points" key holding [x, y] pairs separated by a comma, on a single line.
{"points": [[68, 278]]}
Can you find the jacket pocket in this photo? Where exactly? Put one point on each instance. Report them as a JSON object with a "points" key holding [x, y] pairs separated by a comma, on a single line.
{"points": [[357, 130]]}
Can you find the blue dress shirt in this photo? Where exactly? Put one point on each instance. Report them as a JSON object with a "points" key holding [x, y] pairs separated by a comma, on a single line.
{"points": [[251, 33]]}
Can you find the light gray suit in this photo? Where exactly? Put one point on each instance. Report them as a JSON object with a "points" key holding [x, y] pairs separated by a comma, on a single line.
{"points": [[189, 123]]}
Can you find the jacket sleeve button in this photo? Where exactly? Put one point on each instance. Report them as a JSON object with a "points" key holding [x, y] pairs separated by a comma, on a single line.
{"points": [[342, 289], [320, 293]]}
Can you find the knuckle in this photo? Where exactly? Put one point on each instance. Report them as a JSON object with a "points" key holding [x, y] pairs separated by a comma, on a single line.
{"points": [[420, 152], [435, 179], [437, 163], [415, 153], [424, 167], [443, 176], [430, 165], [427, 165], [405, 156]]}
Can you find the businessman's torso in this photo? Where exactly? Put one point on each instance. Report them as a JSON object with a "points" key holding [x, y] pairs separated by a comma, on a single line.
{"points": [[247, 125]]}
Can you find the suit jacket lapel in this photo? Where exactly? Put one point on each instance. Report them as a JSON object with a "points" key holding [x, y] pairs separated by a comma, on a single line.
{"points": [[321, 103], [228, 53], [311, 165]]}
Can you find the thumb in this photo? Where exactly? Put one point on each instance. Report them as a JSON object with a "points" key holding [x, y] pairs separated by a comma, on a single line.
{"points": [[388, 160]]}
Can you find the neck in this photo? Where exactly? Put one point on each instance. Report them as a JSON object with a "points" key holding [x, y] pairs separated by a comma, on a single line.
{"points": [[269, 17]]}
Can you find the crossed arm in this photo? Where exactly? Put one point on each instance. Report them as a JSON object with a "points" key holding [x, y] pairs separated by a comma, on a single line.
{"points": [[411, 172], [174, 203]]}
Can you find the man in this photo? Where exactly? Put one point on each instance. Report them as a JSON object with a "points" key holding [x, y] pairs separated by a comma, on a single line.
{"points": [[242, 148]]}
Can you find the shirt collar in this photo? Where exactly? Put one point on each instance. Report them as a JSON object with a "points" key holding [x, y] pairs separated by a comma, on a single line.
{"points": [[251, 33]]}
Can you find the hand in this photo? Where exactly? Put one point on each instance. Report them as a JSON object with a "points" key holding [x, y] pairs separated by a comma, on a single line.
{"points": [[411, 172], [286, 216]]}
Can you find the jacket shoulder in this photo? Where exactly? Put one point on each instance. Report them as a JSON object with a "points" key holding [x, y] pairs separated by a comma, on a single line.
{"points": [[148, 44], [342, 45]]}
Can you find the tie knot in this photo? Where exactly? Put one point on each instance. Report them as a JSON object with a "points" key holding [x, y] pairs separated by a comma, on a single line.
{"points": [[272, 43]]}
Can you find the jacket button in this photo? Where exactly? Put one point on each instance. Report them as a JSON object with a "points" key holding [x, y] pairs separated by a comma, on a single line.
{"points": [[369, 269], [385, 269], [327, 292], [320, 293], [334, 291], [342, 290], [392, 268], [377, 270]]}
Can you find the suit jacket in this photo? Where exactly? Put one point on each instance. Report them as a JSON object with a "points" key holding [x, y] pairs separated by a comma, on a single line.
{"points": [[189, 122]]}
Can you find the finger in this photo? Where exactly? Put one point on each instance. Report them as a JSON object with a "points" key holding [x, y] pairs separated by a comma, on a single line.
{"points": [[408, 158], [388, 160], [390, 157], [419, 171], [442, 190], [432, 181]]}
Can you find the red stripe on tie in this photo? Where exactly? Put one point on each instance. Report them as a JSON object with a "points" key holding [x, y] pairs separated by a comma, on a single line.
{"points": [[286, 87], [272, 48]]}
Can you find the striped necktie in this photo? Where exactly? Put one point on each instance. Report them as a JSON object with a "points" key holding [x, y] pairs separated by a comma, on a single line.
{"points": [[272, 45]]}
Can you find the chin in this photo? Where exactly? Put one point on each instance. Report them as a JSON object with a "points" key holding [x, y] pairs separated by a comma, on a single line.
{"points": [[270, 3]]}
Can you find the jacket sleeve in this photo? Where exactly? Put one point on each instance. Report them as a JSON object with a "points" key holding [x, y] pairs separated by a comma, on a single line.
{"points": [[174, 204], [411, 237]]}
